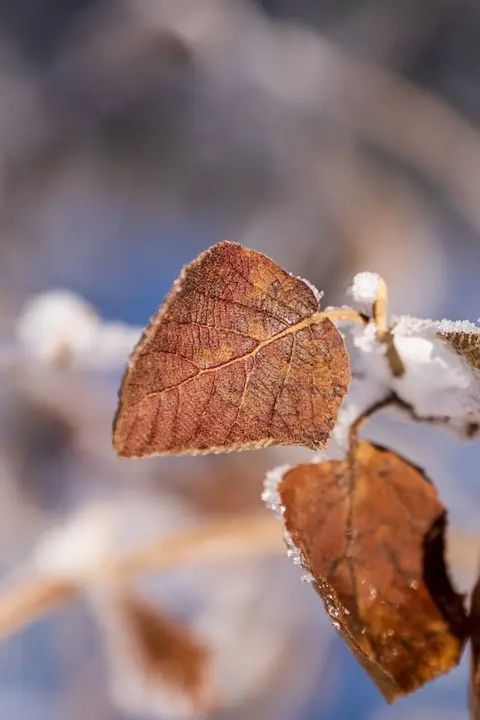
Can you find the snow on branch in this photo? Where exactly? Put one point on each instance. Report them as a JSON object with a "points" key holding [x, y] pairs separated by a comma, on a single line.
{"points": [[59, 326]]}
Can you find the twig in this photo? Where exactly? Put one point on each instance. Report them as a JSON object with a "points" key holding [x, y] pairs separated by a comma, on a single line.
{"points": [[20, 604], [345, 314], [360, 421], [380, 310], [247, 537], [384, 332]]}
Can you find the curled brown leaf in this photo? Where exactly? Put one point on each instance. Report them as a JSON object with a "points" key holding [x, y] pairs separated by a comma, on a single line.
{"points": [[474, 627], [238, 357], [157, 665], [370, 530]]}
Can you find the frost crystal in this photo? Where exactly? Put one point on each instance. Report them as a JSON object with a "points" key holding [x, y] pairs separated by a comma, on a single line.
{"points": [[438, 382], [455, 326], [363, 291], [293, 551], [271, 498], [318, 293], [270, 495]]}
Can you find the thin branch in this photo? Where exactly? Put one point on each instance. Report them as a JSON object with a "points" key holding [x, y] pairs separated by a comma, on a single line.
{"points": [[242, 539], [380, 310], [384, 332], [369, 412], [245, 538], [20, 604], [345, 314]]}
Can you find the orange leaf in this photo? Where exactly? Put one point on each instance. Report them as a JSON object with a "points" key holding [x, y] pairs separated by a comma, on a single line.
{"points": [[370, 530], [239, 356], [474, 627], [158, 667]]}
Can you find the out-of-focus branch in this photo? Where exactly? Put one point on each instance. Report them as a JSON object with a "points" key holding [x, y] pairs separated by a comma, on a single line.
{"points": [[246, 537], [20, 604], [410, 123]]}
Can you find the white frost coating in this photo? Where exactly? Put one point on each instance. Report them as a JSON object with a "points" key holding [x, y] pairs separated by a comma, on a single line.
{"points": [[318, 293], [271, 498], [363, 291], [75, 549], [307, 578], [270, 494], [293, 551], [54, 322], [370, 384], [447, 326], [437, 382]]}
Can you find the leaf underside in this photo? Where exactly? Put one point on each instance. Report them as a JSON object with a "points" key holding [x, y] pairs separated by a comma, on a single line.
{"points": [[239, 356]]}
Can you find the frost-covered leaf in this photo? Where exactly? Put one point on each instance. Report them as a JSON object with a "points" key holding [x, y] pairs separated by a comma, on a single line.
{"points": [[438, 383], [370, 531], [239, 356], [464, 338]]}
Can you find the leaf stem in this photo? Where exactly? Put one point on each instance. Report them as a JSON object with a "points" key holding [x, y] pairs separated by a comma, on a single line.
{"points": [[384, 333], [380, 310], [345, 314]]}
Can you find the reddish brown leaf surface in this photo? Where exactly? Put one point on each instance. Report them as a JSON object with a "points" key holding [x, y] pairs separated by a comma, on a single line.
{"points": [[155, 661], [166, 648], [239, 356], [466, 344], [370, 530], [474, 628]]}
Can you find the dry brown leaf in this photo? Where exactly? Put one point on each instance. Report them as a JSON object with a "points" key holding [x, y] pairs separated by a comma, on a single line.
{"points": [[466, 344], [370, 530], [239, 356], [159, 666], [167, 648], [474, 628]]}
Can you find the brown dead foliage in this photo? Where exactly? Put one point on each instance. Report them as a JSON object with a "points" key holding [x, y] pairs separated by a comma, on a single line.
{"points": [[371, 531], [474, 628], [167, 653], [239, 356], [466, 344]]}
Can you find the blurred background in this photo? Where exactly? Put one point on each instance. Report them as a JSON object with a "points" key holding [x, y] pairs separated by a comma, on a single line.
{"points": [[333, 136]]}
